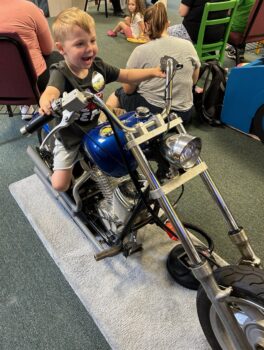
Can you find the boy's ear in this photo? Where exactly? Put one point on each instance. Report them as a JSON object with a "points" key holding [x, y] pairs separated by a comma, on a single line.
{"points": [[59, 47]]}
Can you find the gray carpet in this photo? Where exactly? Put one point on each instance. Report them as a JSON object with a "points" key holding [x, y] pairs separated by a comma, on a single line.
{"points": [[133, 301]]}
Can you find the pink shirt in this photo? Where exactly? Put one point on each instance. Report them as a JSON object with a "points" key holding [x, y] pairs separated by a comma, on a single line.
{"points": [[29, 22]]}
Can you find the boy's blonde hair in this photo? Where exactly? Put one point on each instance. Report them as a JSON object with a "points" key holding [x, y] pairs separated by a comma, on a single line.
{"points": [[156, 18], [69, 18]]}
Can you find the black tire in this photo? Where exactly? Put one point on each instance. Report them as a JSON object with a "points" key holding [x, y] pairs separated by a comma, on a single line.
{"points": [[246, 301], [257, 123], [179, 267]]}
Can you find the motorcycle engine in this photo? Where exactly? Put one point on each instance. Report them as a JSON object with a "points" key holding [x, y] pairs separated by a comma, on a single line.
{"points": [[115, 210]]}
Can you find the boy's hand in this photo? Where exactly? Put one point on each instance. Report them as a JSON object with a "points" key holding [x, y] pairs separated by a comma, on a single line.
{"points": [[45, 108], [50, 94], [158, 73]]}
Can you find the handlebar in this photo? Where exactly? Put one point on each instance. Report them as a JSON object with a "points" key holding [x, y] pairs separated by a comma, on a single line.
{"points": [[36, 123]]}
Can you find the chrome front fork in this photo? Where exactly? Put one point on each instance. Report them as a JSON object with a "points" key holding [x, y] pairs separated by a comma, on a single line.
{"points": [[201, 269], [237, 234]]}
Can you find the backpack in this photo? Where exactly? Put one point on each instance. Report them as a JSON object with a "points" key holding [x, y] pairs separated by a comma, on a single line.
{"points": [[209, 103]]}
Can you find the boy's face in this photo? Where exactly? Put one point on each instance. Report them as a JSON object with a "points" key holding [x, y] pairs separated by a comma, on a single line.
{"points": [[79, 49]]}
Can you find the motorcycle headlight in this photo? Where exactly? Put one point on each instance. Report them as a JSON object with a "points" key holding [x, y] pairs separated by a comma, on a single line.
{"points": [[182, 150]]}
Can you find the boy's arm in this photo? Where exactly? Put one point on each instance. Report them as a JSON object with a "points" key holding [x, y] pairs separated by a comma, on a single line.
{"points": [[135, 76], [51, 93]]}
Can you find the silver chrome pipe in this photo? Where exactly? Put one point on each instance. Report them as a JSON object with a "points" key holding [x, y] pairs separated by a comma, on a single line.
{"points": [[166, 205], [218, 297], [239, 238], [65, 204]]}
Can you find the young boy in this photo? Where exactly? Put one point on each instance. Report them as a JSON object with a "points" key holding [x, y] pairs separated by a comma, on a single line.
{"points": [[75, 38]]}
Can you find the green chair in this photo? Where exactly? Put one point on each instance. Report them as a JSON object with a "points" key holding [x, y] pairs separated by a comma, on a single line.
{"points": [[215, 50]]}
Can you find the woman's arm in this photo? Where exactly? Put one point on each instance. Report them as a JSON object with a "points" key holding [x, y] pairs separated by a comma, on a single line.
{"points": [[195, 75], [183, 10], [43, 33]]}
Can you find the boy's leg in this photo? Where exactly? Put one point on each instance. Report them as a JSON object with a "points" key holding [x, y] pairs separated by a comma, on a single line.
{"points": [[61, 179], [64, 160]]}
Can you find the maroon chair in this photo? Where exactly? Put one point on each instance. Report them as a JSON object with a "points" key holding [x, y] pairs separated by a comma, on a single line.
{"points": [[254, 30], [18, 83]]}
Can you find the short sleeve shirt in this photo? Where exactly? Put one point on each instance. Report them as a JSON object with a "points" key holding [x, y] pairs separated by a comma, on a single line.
{"points": [[241, 16], [65, 81], [149, 55]]}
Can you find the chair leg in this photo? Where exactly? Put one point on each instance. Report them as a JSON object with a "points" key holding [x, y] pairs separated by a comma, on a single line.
{"points": [[106, 12], [237, 55], [9, 110], [86, 5], [98, 6]]}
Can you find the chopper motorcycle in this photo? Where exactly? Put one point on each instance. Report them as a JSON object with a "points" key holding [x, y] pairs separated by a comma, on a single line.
{"points": [[115, 192]]}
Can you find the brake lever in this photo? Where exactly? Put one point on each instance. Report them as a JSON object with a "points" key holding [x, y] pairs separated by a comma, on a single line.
{"points": [[67, 119]]}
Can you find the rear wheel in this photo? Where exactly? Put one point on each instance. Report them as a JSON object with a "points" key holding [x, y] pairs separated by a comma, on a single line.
{"points": [[246, 302]]}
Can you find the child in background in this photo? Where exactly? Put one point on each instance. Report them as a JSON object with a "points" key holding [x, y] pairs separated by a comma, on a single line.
{"points": [[133, 25], [75, 38]]}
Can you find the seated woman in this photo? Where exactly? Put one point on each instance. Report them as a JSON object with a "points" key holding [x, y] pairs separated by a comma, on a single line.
{"points": [[150, 93], [29, 22], [192, 13]]}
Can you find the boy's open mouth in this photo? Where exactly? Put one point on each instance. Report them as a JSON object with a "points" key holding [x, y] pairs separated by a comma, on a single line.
{"points": [[87, 59]]}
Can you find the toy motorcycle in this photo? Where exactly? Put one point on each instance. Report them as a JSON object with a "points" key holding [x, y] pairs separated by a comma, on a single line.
{"points": [[129, 166]]}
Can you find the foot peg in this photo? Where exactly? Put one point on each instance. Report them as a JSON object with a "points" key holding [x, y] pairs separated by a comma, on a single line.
{"points": [[130, 248], [107, 253]]}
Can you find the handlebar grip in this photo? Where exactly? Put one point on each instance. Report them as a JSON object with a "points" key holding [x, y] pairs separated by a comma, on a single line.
{"points": [[35, 124]]}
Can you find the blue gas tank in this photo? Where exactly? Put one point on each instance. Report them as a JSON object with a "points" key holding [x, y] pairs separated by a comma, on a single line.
{"points": [[101, 145]]}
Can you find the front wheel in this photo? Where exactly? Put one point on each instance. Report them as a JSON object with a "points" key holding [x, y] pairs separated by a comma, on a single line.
{"points": [[246, 302]]}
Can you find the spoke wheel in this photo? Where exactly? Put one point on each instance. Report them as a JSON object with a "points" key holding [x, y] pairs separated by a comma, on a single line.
{"points": [[246, 302]]}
